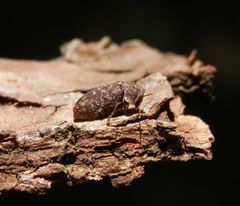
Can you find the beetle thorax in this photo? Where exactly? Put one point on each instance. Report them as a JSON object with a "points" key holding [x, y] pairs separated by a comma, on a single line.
{"points": [[133, 94]]}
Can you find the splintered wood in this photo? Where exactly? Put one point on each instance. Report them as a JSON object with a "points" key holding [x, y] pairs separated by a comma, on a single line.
{"points": [[40, 143]]}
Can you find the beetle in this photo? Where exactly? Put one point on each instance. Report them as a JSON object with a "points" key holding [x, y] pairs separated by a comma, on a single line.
{"points": [[108, 100]]}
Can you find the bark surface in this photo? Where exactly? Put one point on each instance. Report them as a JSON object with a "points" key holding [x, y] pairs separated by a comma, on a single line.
{"points": [[40, 144]]}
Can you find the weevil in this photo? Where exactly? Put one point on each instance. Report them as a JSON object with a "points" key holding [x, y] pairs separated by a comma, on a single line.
{"points": [[108, 100]]}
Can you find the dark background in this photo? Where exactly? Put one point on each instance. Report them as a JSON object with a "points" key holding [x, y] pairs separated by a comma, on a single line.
{"points": [[35, 31]]}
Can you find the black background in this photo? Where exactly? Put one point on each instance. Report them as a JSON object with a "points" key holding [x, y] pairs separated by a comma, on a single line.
{"points": [[35, 30]]}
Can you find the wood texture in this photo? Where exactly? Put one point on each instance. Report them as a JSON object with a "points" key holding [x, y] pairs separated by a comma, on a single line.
{"points": [[40, 144]]}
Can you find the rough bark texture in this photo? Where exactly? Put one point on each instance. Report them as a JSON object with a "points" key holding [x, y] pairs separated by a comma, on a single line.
{"points": [[40, 144]]}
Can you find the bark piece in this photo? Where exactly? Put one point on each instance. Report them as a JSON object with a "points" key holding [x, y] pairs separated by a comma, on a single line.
{"points": [[40, 144], [32, 157], [186, 74], [83, 66]]}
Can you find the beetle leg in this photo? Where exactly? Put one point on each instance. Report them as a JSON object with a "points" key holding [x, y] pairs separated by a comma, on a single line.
{"points": [[140, 128], [112, 113], [125, 107]]}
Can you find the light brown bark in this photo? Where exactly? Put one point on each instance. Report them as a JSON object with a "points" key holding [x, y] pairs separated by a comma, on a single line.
{"points": [[40, 144]]}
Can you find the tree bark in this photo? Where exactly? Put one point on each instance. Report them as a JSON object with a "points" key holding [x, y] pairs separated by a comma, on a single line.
{"points": [[40, 144]]}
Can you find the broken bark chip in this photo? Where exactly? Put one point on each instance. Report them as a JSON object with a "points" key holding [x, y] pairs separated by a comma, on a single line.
{"points": [[53, 115]]}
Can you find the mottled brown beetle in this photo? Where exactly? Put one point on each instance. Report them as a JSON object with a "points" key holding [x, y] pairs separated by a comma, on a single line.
{"points": [[106, 101]]}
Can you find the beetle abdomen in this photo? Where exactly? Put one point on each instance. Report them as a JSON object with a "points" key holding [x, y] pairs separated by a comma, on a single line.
{"points": [[99, 102]]}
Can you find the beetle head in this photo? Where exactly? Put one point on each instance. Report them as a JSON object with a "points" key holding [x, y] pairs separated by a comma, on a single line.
{"points": [[133, 94]]}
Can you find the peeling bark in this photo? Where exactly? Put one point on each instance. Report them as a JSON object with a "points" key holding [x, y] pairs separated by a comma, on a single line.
{"points": [[40, 144]]}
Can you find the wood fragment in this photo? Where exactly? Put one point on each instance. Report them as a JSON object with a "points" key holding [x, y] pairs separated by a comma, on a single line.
{"points": [[40, 144]]}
